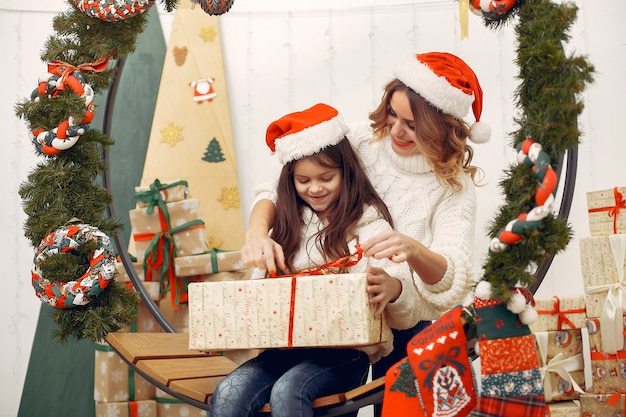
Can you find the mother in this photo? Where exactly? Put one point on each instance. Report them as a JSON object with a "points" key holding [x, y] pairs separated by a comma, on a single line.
{"points": [[416, 154]]}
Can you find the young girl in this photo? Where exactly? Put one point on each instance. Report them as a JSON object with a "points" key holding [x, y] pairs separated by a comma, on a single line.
{"points": [[325, 205]]}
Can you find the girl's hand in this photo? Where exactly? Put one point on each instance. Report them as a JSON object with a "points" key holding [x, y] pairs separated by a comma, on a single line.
{"points": [[260, 251], [382, 289], [392, 245]]}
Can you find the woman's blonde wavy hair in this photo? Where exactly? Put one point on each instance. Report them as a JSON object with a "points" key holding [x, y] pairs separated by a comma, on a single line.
{"points": [[442, 137]]}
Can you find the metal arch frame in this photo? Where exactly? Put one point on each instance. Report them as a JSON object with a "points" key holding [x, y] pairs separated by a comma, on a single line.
{"points": [[373, 397]]}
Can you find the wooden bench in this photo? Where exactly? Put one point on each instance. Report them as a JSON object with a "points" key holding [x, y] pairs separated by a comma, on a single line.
{"points": [[165, 360]]}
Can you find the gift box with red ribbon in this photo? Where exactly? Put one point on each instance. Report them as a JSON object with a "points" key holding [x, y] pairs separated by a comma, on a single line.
{"points": [[608, 372], [294, 311], [605, 217], [169, 406], [558, 313], [144, 408]]}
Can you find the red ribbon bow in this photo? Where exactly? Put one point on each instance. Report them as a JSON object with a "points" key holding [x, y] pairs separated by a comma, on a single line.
{"points": [[345, 262], [65, 70], [613, 210], [561, 314]]}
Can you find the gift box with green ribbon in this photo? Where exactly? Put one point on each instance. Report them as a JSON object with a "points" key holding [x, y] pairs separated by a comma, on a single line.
{"points": [[144, 408], [115, 381], [169, 406], [175, 190], [208, 263]]}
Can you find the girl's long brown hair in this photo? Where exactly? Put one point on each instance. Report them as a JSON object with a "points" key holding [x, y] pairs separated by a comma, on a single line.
{"points": [[356, 192], [442, 137]]}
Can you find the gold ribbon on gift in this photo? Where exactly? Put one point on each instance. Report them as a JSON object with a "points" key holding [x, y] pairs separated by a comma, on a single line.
{"points": [[611, 320], [613, 211]]}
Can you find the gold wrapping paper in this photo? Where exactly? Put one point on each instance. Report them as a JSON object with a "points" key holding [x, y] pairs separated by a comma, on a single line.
{"points": [[114, 381], [208, 263], [559, 314], [608, 372], [322, 310], [168, 192], [601, 405], [168, 406], [605, 217], [190, 241], [564, 409], [145, 408]]}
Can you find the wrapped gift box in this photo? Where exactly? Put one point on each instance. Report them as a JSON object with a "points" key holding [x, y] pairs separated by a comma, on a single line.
{"points": [[561, 358], [145, 408], [175, 190], [114, 379], [608, 371], [603, 265], [208, 263], [185, 225], [321, 310], [168, 406], [600, 405], [564, 409], [559, 314], [594, 327], [604, 217]]}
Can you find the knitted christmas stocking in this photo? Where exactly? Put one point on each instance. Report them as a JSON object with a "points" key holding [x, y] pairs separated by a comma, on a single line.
{"points": [[436, 379], [510, 369]]}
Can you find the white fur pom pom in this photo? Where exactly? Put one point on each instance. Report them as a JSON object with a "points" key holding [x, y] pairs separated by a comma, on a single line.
{"points": [[517, 303], [483, 290], [480, 132], [529, 315]]}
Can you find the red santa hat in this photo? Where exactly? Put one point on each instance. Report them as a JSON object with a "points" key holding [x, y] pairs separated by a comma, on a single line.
{"points": [[448, 83], [300, 134]]}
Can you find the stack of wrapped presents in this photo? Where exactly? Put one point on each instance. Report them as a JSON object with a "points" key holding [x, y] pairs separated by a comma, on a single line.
{"points": [[581, 340], [603, 257], [169, 250]]}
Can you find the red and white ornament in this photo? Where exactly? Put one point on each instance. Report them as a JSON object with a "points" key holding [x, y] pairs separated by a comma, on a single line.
{"points": [[113, 10]]}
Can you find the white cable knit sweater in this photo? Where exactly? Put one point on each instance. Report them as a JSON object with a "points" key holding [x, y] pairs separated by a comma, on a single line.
{"points": [[422, 208]]}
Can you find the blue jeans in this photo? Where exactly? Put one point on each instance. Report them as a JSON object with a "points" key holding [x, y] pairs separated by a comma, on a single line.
{"points": [[289, 379]]}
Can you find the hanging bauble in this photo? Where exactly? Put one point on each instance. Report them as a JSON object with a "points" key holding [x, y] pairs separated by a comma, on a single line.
{"points": [[492, 9], [215, 7], [113, 10], [99, 272]]}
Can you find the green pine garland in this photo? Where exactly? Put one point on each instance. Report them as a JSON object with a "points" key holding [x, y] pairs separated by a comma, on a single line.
{"points": [[67, 186], [549, 98]]}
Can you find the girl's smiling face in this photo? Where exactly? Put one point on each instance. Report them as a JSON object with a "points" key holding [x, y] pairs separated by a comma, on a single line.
{"points": [[319, 186], [401, 125]]}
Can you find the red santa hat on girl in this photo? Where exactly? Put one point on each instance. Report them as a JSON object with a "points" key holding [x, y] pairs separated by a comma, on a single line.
{"points": [[448, 83], [300, 134]]}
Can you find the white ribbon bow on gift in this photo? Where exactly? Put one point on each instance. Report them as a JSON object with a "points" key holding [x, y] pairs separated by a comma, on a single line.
{"points": [[560, 365], [612, 321]]}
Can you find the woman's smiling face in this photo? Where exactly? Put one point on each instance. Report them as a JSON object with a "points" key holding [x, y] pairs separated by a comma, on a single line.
{"points": [[401, 125]]}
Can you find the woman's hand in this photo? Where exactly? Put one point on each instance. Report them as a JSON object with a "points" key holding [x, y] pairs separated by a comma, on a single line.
{"points": [[260, 251], [392, 245], [382, 289]]}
